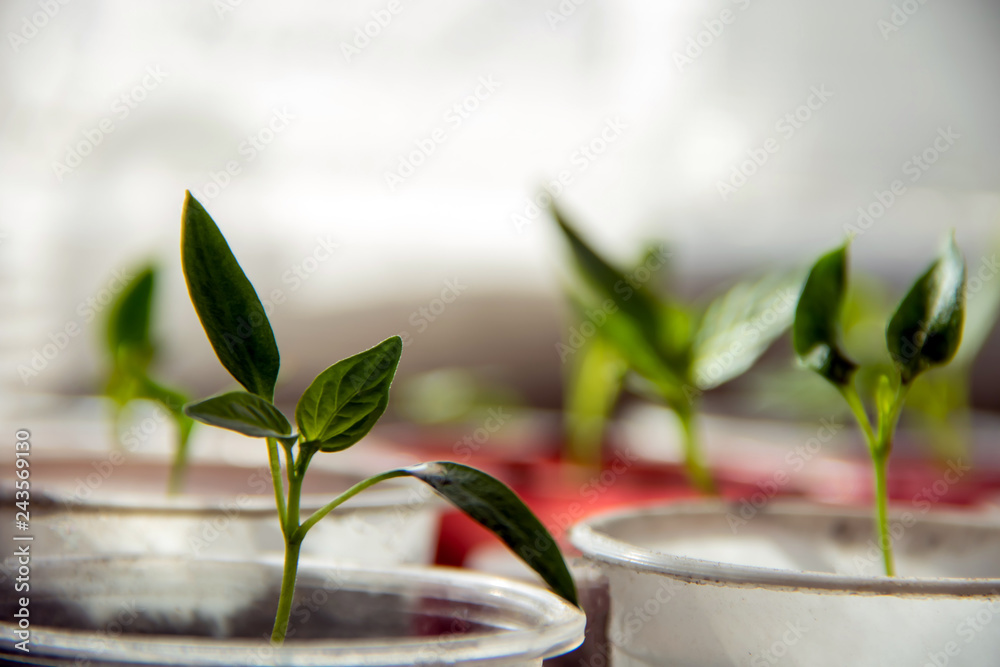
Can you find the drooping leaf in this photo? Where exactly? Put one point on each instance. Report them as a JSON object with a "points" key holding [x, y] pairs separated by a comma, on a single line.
{"points": [[496, 507], [226, 303], [815, 330], [129, 317], [926, 329], [595, 382], [242, 412], [740, 325], [343, 403]]}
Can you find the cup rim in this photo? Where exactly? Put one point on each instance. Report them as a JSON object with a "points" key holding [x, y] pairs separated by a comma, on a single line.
{"points": [[594, 537], [555, 625]]}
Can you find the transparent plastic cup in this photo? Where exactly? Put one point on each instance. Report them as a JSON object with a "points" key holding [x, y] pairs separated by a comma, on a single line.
{"points": [[708, 585], [161, 611], [226, 511]]}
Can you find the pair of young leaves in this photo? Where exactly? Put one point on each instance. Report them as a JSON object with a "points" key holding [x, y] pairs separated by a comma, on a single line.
{"points": [[132, 351], [925, 331], [678, 354], [340, 406]]}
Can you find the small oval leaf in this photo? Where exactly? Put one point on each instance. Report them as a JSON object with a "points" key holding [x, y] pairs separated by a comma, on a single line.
{"points": [[815, 330], [129, 317], [227, 305], [492, 504], [343, 403], [244, 413], [740, 325], [926, 329]]}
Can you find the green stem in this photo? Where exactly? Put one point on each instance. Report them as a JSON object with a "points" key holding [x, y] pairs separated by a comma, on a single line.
{"points": [[274, 459], [850, 394], [346, 495], [294, 497], [693, 461], [289, 573], [293, 544], [879, 447], [882, 500], [175, 483]]}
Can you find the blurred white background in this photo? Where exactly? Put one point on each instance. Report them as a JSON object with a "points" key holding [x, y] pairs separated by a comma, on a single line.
{"points": [[672, 98]]}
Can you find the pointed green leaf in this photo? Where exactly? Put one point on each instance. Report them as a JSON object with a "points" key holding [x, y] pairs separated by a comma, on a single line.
{"points": [[128, 319], [241, 412], [926, 329], [740, 325], [638, 310], [493, 505], [226, 303], [343, 403], [815, 330]]}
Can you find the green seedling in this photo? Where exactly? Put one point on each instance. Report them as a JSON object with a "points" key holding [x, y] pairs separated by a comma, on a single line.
{"points": [[339, 408], [924, 332], [937, 406], [132, 351], [677, 351]]}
